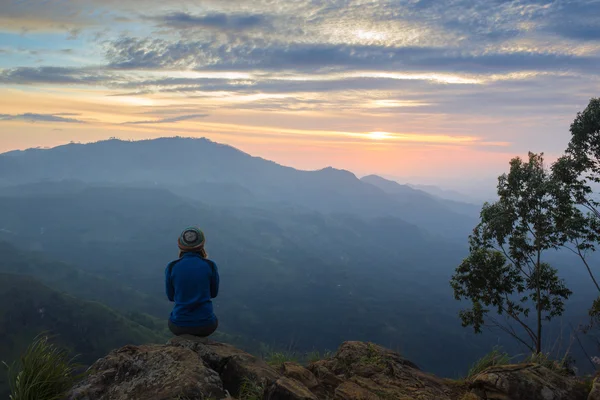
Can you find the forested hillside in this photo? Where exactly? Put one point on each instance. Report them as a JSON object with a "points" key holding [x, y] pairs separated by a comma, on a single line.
{"points": [[87, 329]]}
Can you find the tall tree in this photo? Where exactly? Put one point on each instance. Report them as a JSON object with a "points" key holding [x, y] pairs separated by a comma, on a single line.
{"points": [[505, 273], [576, 173]]}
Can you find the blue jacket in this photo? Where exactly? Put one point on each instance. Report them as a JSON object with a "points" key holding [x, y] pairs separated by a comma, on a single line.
{"points": [[191, 282]]}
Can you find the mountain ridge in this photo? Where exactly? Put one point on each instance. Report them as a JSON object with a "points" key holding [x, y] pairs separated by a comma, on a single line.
{"points": [[184, 165]]}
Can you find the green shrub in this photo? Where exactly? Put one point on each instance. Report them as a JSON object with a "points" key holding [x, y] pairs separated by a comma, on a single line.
{"points": [[43, 372], [493, 358]]}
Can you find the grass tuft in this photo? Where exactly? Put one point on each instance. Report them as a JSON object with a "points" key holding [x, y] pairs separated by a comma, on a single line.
{"points": [[563, 366], [43, 372], [276, 359], [493, 358], [250, 390]]}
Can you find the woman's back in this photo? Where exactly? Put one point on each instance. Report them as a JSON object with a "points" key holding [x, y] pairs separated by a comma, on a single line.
{"points": [[191, 282], [194, 283]]}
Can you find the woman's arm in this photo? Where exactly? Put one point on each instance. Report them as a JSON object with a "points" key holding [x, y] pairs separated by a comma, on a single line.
{"points": [[168, 284], [214, 281]]}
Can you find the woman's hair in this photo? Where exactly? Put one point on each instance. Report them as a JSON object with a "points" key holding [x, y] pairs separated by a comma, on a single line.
{"points": [[201, 251]]}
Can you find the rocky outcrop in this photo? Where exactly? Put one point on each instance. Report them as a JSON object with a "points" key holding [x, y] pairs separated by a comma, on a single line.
{"points": [[526, 381], [595, 393], [150, 372], [191, 369]]}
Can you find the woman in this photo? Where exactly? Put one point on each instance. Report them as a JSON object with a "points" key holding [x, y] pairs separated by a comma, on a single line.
{"points": [[191, 282]]}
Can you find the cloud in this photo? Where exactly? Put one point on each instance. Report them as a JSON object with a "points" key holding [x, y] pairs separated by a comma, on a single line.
{"points": [[578, 31], [220, 21], [132, 53], [576, 21], [52, 75], [32, 117], [168, 120], [73, 33]]}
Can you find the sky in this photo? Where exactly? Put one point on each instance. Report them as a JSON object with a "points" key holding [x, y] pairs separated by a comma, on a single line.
{"points": [[432, 91]]}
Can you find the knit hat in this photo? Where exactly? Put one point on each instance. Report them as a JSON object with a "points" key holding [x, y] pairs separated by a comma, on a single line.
{"points": [[191, 239]]}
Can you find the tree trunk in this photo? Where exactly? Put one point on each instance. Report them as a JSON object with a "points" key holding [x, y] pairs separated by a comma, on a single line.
{"points": [[538, 344]]}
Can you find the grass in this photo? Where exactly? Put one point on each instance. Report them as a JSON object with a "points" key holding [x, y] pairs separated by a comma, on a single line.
{"points": [[562, 366], [373, 357], [43, 372], [315, 356], [250, 390], [493, 358], [276, 359]]}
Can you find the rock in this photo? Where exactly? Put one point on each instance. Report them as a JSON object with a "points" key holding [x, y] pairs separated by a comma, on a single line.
{"points": [[288, 389], [199, 369], [324, 376], [378, 371], [595, 393], [301, 374], [233, 365], [151, 373], [526, 382], [352, 391]]}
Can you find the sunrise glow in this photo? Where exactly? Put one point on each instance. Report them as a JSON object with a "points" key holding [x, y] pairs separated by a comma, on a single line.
{"points": [[354, 82]]}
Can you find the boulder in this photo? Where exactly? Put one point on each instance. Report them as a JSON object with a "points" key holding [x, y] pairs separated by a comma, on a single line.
{"points": [[352, 391], [288, 389], [324, 376], [526, 382], [150, 373], [301, 374], [233, 365], [378, 372]]}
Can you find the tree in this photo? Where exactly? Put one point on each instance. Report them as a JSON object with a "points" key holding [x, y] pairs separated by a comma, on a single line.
{"points": [[575, 174], [505, 273]]}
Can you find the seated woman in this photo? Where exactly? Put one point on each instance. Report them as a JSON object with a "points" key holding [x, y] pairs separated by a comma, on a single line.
{"points": [[191, 282]]}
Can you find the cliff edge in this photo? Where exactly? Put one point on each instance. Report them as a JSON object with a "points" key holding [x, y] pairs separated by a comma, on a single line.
{"points": [[192, 369]]}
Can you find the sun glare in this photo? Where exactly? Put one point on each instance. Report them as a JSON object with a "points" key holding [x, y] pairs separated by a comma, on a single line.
{"points": [[379, 135]]}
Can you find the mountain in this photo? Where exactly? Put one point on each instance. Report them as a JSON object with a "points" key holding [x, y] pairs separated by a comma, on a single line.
{"points": [[87, 329], [426, 202], [286, 271], [77, 282], [220, 174], [447, 194], [308, 259]]}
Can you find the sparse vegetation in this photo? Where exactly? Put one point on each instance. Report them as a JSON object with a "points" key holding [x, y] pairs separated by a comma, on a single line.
{"points": [[250, 390], [492, 359], [44, 372], [562, 366], [373, 357], [315, 356], [276, 359]]}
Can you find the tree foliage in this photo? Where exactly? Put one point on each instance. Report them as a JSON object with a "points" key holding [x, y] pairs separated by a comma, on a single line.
{"points": [[504, 274], [576, 173]]}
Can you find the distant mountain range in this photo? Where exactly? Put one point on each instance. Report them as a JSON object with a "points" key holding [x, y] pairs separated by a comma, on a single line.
{"points": [[308, 259], [222, 175], [445, 193]]}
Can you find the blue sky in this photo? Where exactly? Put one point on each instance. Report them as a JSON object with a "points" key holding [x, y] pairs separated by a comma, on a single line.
{"points": [[436, 89]]}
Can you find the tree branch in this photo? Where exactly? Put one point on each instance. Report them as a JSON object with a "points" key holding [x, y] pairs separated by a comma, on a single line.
{"points": [[514, 316], [514, 335], [582, 256]]}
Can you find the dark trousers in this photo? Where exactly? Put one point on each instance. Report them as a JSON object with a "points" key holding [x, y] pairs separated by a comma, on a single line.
{"points": [[200, 331]]}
